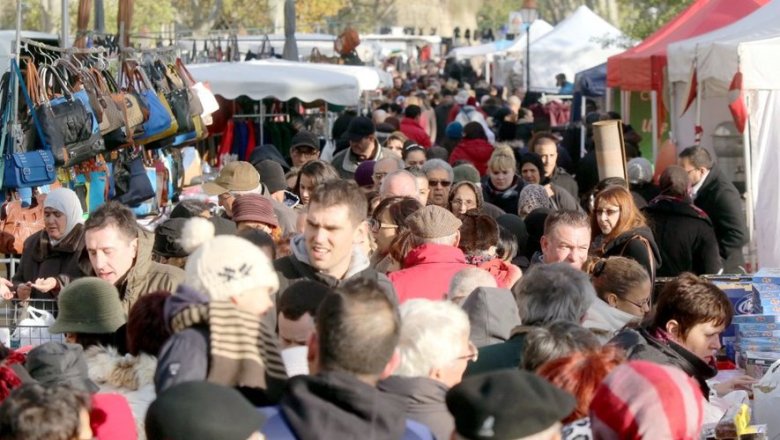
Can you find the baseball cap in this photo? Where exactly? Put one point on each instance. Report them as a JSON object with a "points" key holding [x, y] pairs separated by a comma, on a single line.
{"points": [[359, 128], [235, 176]]}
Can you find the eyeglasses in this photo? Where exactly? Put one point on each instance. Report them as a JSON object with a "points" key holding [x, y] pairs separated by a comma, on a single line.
{"points": [[642, 305], [609, 212], [375, 225], [473, 355], [378, 176], [442, 183]]}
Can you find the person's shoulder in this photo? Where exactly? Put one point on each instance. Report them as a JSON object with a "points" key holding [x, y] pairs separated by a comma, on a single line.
{"points": [[172, 273]]}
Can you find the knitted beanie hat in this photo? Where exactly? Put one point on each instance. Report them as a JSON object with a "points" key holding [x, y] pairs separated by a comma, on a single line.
{"points": [[454, 130], [641, 400], [89, 305], [254, 208], [271, 175], [364, 173], [432, 222], [533, 197], [224, 266]]}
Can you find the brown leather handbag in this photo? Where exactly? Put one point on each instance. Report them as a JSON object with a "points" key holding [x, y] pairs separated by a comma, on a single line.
{"points": [[18, 222]]}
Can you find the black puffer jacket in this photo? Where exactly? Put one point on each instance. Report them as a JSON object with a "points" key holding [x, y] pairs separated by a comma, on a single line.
{"points": [[685, 237], [630, 245]]}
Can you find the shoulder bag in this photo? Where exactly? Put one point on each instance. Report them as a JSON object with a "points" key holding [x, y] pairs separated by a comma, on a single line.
{"points": [[161, 123], [206, 98], [18, 222]]}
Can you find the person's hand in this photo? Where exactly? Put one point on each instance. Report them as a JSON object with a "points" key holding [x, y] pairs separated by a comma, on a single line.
{"points": [[45, 285], [743, 382], [23, 291], [5, 288]]}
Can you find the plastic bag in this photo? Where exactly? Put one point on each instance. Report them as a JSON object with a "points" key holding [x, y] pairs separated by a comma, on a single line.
{"points": [[34, 329], [766, 400]]}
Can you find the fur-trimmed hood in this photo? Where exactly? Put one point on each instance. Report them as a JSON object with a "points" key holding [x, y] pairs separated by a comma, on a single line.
{"points": [[130, 373]]}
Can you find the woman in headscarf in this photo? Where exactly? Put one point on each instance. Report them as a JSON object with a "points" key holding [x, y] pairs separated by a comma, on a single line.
{"points": [[533, 197], [50, 256], [532, 171]]}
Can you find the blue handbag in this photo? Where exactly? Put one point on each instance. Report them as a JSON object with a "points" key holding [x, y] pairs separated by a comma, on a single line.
{"points": [[31, 168], [160, 122]]}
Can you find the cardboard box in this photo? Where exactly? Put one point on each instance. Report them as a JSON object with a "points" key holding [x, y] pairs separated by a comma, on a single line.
{"points": [[742, 334], [755, 319], [767, 276], [741, 295], [766, 291]]}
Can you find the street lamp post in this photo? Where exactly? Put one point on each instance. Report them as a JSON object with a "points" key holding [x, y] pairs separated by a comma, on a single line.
{"points": [[529, 15]]}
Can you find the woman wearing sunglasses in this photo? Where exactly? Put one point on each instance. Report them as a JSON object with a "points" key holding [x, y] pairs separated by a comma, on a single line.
{"points": [[619, 229], [387, 223], [624, 291]]}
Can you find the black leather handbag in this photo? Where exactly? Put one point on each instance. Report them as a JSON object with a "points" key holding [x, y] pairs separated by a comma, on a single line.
{"points": [[131, 181]]}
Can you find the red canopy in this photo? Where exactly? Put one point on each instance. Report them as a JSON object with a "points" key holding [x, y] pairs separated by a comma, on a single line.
{"points": [[641, 68]]}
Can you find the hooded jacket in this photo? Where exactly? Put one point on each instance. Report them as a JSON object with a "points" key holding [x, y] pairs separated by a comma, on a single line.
{"points": [[492, 314], [605, 321], [145, 276], [425, 402], [629, 245], [564, 180], [475, 151], [505, 199], [686, 238], [339, 406], [640, 344], [428, 271], [414, 131], [130, 376], [296, 267], [42, 260]]}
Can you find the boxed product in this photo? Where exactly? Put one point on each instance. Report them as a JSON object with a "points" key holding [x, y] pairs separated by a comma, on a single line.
{"points": [[740, 293], [763, 290], [758, 327], [755, 319], [767, 276], [743, 333]]}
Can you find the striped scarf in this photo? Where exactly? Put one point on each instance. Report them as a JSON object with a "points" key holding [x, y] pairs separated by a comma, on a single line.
{"points": [[242, 348]]}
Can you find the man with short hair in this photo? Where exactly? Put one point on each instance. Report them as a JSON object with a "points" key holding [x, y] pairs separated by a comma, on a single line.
{"points": [[385, 166], [422, 184], [328, 251], [34, 411], [363, 146], [297, 309], [120, 252], [305, 147], [440, 177], [411, 127], [546, 146], [547, 293], [467, 281], [716, 195], [564, 87], [566, 239], [238, 178], [354, 347], [434, 259], [400, 183]]}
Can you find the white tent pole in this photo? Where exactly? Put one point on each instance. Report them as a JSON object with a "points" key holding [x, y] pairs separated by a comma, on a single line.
{"points": [[608, 99], [654, 122], [582, 125], [750, 196]]}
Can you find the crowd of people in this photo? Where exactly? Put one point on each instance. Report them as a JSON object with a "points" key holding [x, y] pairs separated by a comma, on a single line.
{"points": [[444, 269]]}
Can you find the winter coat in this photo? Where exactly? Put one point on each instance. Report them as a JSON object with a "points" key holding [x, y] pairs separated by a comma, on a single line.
{"points": [[475, 151], [629, 245], [508, 354], [425, 402], [605, 321], [296, 267], [505, 199], [185, 356], [564, 180], [428, 271], [146, 276], [130, 376], [414, 131], [719, 198], [334, 405], [506, 274], [492, 314], [42, 260], [685, 237], [564, 201], [641, 344]]}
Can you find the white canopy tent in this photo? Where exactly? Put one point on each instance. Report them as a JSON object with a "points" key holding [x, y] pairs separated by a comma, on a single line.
{"points": [[579, 42], [749, 46], [283, 81], [369, 78], [539, 28]]}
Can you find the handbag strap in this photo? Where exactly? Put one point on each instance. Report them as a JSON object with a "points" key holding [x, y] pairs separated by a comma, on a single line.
{"points": [[649, 248], [30, 104], [43, 71], [184, 73]]}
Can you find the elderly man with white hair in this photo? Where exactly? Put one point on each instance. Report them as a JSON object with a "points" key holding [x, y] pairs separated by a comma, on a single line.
{"points": [[434, 349], [384, 167], [400, 183], [467, 281]]}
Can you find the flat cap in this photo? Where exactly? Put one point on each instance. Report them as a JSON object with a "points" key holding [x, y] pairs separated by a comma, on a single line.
{"points": [[433, 222]]}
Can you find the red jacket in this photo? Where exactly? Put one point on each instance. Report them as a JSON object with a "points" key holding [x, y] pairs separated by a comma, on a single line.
{"points": [[428, 271], [476, 151], [414, 131]]}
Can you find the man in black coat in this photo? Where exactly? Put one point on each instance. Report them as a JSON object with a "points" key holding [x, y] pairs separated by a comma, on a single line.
{"points": [[714, 193], [683, 232]]}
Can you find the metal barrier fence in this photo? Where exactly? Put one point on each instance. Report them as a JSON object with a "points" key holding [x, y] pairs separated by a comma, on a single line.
{"points": [[25, 323]]}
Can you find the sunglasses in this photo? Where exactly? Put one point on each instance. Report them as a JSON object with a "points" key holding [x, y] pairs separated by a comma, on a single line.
{"points": [[442, 183], [375, 225]]}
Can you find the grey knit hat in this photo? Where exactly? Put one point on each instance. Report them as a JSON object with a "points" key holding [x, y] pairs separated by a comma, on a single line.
{"points": [[89, 305], [533, 197], [466, 172], [433, 222]]}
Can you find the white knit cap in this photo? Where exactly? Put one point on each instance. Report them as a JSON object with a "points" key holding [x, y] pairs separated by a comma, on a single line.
{"points": [[224, 266]]}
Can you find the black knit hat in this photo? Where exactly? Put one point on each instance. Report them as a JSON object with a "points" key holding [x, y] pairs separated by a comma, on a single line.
{"points": [[506, 404], [304, 139], [201, 411], [271, 175]]}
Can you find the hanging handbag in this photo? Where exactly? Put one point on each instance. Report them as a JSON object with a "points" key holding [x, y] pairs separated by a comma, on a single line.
{"points": [[18, 221], [79, 81], [161, 123], [135, 113], [132, 184], [206, 98], [112, 114], [27, 169], [178, 97]]}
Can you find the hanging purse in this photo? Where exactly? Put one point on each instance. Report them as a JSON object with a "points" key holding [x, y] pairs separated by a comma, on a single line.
{"points": [[18, 221], [206, 98], [27, 169], [161, 123], [78, 82], [112, 115], [178, 97], [132, 184]]}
